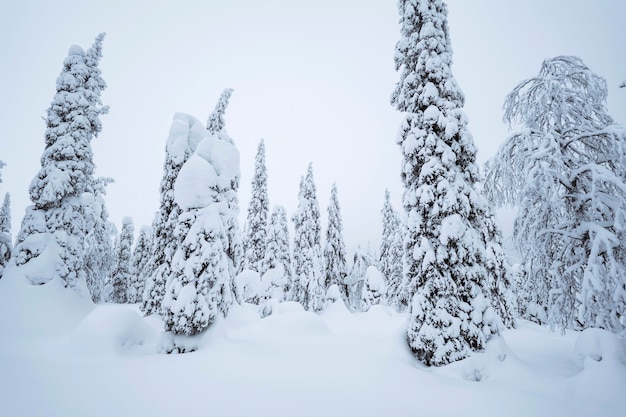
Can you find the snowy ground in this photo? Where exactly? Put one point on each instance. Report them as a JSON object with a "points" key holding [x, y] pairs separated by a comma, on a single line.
{"points": [[61, 356]]}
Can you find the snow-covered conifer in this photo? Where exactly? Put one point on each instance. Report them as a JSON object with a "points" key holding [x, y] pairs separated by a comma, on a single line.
{"points": [[336, 269], [444, 250], [374, 288], [234, 251], [138, 262], [200, 286], [356, 278], [390, 257], [99, 258], [565, 171], [258, 210], [121, 276], [277, 252], [184, 135], [56, 217], [5, 230], [308, 288]]}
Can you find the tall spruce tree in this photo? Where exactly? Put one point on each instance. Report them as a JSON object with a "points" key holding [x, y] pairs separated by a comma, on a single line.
{"points": [[184, 135], [336, 269], [121, 276], [138, 263], [565, 171], [234, 250], [444, 248], [307, 287], [390, 256], [258, 210], [99, 258], [56, 192], [277, 252], [200, 286]]}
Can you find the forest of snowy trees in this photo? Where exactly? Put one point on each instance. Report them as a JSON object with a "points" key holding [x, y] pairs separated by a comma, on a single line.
{"points": [[442, 259]]}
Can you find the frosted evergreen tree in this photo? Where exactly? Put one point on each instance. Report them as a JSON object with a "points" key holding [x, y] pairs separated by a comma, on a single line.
{"points": [[5, 229], [234, 251], [565, 171], [356, 278], [374, 288], [99, 259], [199, 288], [336, 269], [277, 252], [121, 276], [390, 257], [138, 263], [184, 135], [258, 210], [56, 216], [308, 288], [445, 269]]}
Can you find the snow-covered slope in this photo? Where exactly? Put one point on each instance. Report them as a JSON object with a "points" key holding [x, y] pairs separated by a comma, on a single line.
{"points": [[62, 356]]}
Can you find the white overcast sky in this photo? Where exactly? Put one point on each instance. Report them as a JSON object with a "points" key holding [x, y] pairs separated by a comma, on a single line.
{"points": [[312, 78]]}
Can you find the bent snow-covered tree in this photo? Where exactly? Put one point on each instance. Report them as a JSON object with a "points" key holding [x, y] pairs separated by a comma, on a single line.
{"points": [[258, 210], [445, 270], [565, 171], [55, 222]]}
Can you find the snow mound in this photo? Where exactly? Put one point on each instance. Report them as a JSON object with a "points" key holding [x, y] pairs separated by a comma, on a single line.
{"points": [[113, 329], [600, 346], [480, 365], [40, 310]]}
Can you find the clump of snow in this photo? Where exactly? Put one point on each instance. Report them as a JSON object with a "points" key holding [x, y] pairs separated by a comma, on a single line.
{"points": [[249, 285], [601, 346], [214, 166], [112, 329]]}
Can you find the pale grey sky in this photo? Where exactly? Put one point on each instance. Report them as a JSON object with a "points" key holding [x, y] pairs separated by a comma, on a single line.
{"points": [[311, 78]]}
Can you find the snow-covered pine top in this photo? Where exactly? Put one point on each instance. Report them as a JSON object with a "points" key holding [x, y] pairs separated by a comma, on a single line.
{"points": [[215, 123]]}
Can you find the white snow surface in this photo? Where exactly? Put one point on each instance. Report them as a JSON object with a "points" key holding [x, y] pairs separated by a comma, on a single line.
{"points": [[61, 355]]}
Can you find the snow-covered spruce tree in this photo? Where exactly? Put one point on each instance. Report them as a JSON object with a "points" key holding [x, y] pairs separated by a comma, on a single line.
{"points": [[277, 251], [565, 171], [374, 288], [445, 268], [390, 257], [258, 210], [138, 262], [55, 221], [121, 276], [5, 229], [216, 126], [336, 269], [99, 259], [356, 279], [307, 287], [184, 135], [200, 285]]}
